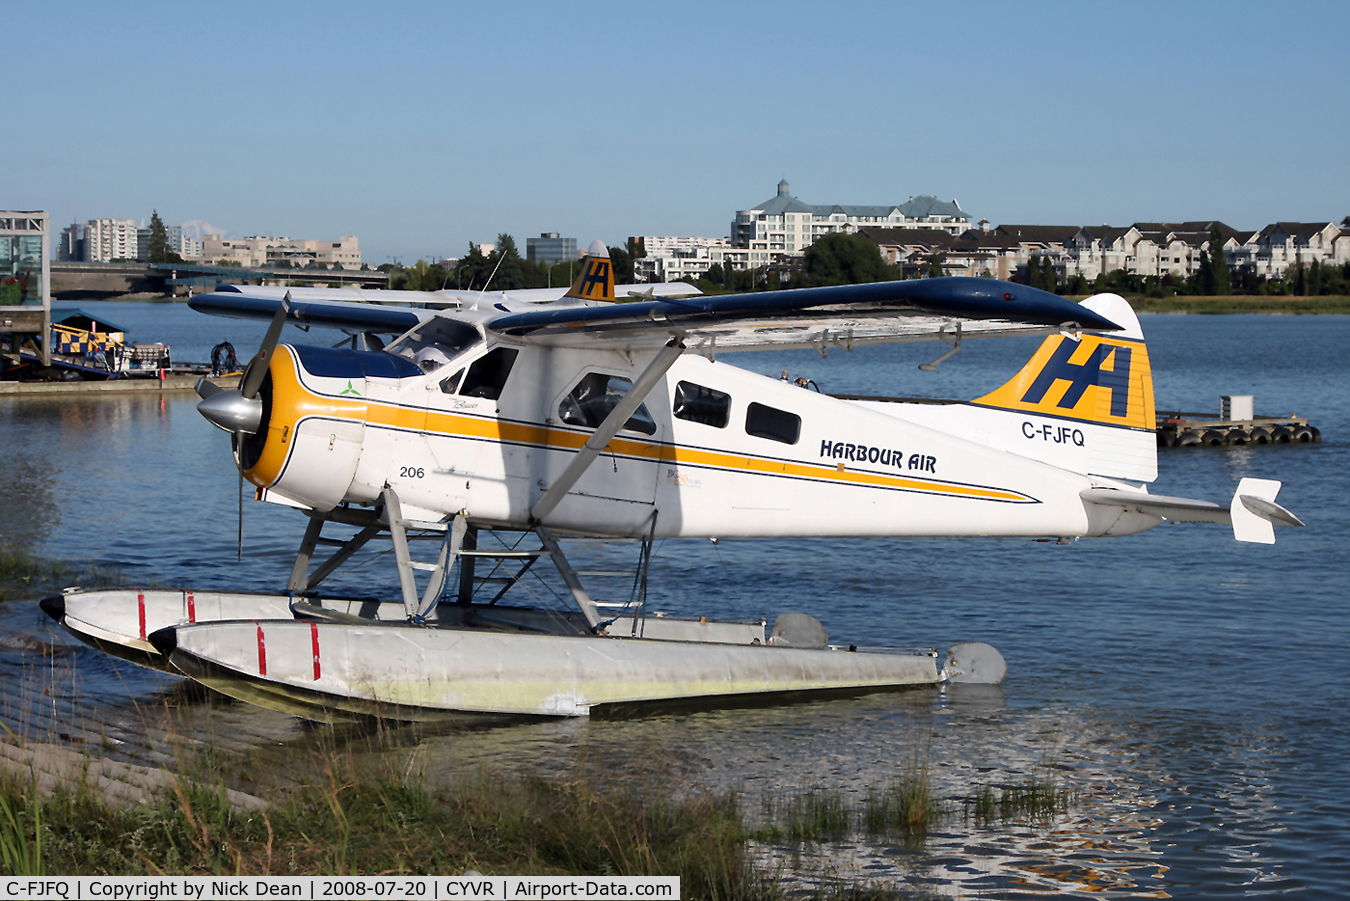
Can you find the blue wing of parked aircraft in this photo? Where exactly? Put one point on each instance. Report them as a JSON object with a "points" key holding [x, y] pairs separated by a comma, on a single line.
{"points": [[872, 313], [882, 312]]}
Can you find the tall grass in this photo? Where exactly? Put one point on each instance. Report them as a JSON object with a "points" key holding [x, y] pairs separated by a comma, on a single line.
{"points": [[340, 814], [1039, 796], [25, 575], [20, 829]]}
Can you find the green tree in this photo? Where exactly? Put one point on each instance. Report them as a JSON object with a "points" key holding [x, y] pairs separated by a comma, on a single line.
{"points": [[715, 274], [839, 259], [158, 250], [1218, 260], [623, 266], [1034, 271], [423, 277], [1049, 280], [935, 269], [513, 272], [1297, 278], [472, 270], [1204, 276]]}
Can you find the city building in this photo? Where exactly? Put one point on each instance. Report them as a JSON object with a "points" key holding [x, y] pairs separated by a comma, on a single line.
{"points": [[784, 225], [70, 248], [671, 258], [269, 252], [550, 248], [106, 240]]}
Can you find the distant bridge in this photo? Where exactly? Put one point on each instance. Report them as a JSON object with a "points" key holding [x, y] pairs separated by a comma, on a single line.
{"points": [[73, 281]]}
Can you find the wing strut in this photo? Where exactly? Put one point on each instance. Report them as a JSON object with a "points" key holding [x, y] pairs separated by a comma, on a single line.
{"points": [[626, 407]]}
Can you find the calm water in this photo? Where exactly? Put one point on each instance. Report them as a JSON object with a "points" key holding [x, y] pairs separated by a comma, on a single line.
{"points": [[1194, 691]]}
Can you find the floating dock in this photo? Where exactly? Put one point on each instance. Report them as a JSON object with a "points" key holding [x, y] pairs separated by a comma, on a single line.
{"points": [[1236, 425]]}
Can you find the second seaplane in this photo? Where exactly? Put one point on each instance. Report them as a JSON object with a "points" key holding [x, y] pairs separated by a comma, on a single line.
{"points": [[454, 415]]}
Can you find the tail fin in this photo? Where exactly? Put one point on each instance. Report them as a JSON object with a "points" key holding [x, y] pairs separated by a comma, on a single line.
{"points": [[1087, 401], [596, 281]]}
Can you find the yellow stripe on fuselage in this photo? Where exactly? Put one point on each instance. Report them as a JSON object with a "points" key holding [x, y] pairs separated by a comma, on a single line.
{"points": [[294, 401]]}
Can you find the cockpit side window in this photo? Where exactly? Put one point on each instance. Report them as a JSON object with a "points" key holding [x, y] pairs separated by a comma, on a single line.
{"points": [[595, 396], [487, 375], [435, 342]]}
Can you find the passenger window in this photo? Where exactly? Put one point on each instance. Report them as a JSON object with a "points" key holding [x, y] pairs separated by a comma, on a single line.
{"points": [[593, 398], [696, 403], [776, 425], [487, 375]]}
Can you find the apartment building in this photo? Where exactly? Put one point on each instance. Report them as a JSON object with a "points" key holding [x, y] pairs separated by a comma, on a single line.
{"points": [[1154, 249], [105, 240], [784, 225], [670, 258]]}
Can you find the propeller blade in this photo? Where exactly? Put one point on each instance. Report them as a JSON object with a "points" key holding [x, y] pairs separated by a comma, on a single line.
{"points": [[257, 367], [240, 491], [205, 389]]}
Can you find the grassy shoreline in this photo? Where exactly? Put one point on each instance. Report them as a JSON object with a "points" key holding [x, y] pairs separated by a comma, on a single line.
{"points": [[365, 804], [1242, 303]]}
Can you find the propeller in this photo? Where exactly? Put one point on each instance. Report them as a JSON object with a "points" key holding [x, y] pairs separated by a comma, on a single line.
{"points": [[257, 367], [240, 410]]}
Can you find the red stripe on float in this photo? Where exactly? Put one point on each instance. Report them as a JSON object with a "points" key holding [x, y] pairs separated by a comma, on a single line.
{"points": [[140, 606], [314, 640], [192, 608], [262, 652]]}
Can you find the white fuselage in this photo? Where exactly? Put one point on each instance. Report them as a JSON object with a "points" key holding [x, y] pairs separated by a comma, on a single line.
{"points": [[721, 452]]}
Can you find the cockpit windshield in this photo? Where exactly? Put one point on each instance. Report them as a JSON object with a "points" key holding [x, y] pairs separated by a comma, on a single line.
{"points": [[435, 342]]}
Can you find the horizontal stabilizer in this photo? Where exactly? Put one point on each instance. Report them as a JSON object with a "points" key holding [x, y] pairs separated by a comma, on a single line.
{"points": [[1252, 514], [1255, 513]]}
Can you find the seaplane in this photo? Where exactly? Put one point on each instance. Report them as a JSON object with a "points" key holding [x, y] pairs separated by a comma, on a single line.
{"points": [[453, 417]]}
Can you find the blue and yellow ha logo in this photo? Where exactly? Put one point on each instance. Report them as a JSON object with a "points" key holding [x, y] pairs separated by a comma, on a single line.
{"points": [[1094, 379]]}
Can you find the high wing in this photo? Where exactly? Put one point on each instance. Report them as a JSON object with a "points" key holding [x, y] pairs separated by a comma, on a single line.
{"points": [[353, 310], [387, 312], [848, 315]]}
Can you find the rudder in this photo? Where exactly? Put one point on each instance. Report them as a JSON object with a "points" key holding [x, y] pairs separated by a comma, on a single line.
{"points": [[596, 281], [1098, 387]]}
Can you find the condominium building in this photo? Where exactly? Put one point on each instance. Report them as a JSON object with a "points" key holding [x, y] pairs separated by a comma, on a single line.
{"points": [[784, 225], [1153, 249], [669, 258], [106, 240]]}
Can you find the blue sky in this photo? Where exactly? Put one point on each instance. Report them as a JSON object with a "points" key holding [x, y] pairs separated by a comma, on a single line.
{"points": [[419, 127]]}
